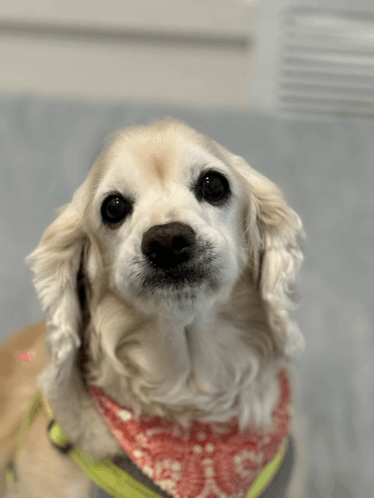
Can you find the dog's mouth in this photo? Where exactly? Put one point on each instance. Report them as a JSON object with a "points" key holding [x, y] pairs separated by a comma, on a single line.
{"points": [[185, 275]]}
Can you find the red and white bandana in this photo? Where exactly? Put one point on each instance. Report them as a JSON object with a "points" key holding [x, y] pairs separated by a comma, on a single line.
{"points": [[207, 460]]}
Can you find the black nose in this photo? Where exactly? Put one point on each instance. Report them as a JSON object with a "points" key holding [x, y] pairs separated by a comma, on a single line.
{"points": [[167, 246]]}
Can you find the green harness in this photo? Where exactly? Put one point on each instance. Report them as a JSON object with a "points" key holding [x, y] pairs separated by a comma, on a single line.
{"points": [[113, 480]]}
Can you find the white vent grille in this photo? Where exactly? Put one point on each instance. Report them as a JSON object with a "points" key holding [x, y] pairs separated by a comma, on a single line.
{"points": [[327, 64]]}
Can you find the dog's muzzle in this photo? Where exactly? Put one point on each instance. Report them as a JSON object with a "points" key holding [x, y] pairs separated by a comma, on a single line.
{"points": [[176, 260], [168, 246]]}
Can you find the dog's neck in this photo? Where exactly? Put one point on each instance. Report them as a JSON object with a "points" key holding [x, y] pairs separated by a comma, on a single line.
{"points": [[190, 366]]}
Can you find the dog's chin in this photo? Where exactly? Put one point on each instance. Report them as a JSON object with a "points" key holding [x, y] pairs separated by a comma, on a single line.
{"points": [[183, 289]]}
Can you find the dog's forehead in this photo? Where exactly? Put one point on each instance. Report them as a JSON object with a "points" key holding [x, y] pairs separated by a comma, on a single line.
{"points": [[154, 156]]}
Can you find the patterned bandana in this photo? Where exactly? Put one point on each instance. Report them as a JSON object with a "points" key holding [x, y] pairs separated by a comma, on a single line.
{"points": [[207, 460]]}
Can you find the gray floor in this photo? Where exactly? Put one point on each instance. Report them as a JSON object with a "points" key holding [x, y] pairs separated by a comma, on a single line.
{"points": [[326, 171]]}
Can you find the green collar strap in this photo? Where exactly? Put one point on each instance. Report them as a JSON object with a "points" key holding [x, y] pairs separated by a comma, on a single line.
{"points": [[113, 480]]}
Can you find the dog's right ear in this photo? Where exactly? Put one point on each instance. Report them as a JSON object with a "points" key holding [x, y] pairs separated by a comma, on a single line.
{"points": [[55, 264]]}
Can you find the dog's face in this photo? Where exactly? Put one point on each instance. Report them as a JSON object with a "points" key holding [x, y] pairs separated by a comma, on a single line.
{"points": [[187, 259], [166, 212]]}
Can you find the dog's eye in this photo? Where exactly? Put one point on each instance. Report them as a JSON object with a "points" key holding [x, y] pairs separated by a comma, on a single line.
{"points": [[114, 209], [212, 187]]}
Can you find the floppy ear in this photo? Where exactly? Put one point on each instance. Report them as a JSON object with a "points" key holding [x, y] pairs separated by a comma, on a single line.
{"points": [[55, 264], [273, 233]]}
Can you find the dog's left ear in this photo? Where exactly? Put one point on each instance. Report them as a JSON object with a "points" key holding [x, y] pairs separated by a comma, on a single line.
{"points": [[273, 234]]}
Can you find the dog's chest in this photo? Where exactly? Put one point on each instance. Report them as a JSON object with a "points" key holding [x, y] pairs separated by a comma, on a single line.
{"points": [[212, 460]]}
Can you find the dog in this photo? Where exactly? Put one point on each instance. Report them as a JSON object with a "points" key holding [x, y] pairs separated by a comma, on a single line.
{"points": [[169, 287]]}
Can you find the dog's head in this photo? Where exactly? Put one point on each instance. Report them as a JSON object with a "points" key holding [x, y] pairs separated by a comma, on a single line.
{"points": [[166, 225]]}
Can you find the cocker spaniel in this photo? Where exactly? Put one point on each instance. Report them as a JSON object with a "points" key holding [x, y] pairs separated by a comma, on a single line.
{"points": [[168, 285]]}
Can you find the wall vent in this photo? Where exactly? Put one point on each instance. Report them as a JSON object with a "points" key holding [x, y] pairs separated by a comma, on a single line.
{"points": [[326, 64]]}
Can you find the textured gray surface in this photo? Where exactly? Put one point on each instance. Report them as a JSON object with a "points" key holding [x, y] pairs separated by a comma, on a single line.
{"points": [[326, 171]]}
